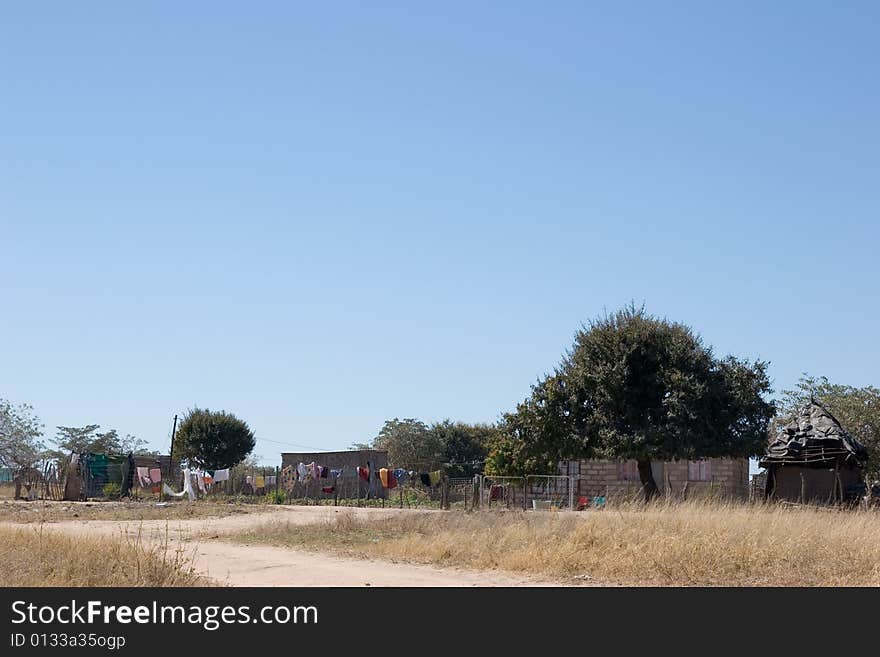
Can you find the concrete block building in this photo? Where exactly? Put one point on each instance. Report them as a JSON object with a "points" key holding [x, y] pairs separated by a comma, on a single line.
{"points": [[718, 477]]}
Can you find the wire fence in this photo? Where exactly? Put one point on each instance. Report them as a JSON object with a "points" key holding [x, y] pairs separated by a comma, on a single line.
{"points": [[270, 484]]}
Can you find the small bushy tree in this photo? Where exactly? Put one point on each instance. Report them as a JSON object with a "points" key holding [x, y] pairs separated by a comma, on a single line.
{"points": [[212, 439]]}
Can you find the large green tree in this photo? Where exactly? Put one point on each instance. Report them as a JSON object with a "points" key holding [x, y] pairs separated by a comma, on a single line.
{"points": [[634, 386], [857, 410], [212, 439]]}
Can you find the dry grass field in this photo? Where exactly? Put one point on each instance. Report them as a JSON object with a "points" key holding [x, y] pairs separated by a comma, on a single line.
{"points": [[711, 544], [43, 511], [30, 556]]}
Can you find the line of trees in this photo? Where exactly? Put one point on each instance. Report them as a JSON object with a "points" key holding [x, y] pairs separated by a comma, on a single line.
{"points": [[459, 448]]}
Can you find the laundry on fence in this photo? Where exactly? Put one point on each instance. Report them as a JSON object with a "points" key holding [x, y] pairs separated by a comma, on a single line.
{"points": [[387, 478], [328, 489], [434, 477], [363, 473], [155, 475], [144, 477], [401, 475], [270, 480], [325, 471], [496, 492], [221, 475], [170, 491]]}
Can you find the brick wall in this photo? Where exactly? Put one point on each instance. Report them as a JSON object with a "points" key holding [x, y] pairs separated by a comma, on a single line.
{"points": [[728, 478]]}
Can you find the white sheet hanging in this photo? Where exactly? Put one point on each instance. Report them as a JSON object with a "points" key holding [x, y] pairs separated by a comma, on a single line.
{"points": [[169, 491], [188, 485]]}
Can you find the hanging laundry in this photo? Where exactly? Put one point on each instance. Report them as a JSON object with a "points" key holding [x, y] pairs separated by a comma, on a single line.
{"points": [[390, 480], [496, 491], [170, 492], [259, 481], [335, 473], [155, 475], [144, 477], [209, 477], [200, 482], [425, 478], [302, 471], [328, 489], [363, 473], [434, 477], [187, 485], [315, 470], [270, 480], [401, 475], [325, 472], [221, 475]]}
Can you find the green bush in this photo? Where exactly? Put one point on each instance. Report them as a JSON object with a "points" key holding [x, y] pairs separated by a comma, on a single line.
{"points": [[276, 497], [112, 491]]}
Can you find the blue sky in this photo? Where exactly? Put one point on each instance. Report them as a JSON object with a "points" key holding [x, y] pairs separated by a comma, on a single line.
{"points": [[322, 216]]}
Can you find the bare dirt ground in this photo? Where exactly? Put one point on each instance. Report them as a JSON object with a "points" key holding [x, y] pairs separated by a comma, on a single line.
{"points": [[258, 565]]}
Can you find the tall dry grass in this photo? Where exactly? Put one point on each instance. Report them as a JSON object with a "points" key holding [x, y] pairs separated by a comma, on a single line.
{"points": [[34, 556], [708, 543]]}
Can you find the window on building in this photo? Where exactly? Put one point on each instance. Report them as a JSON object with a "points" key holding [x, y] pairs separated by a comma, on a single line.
{"points": [[569, 468], [700, 470], [627, 471]]}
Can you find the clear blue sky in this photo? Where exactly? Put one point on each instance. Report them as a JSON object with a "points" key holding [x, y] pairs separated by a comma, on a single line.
{"points": [[322, 216]]}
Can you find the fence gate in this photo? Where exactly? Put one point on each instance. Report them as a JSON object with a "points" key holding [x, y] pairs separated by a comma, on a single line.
{"points": [[550, 492], [502, 492]]}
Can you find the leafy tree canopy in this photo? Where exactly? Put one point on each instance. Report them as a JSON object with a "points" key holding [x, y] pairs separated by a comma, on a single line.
{"points": [[212, 439], [634, 386]]}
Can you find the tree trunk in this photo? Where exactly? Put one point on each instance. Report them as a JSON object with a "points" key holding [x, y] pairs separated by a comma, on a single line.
{"points": [[649, 486]]}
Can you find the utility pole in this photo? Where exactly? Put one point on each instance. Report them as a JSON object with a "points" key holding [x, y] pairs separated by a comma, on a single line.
{"points": [[170, 457]]}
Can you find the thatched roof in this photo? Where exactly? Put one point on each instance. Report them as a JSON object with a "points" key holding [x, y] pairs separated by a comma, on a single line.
{"points": [[814, 438]]}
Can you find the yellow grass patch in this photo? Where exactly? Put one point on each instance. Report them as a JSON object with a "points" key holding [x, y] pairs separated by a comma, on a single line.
{"points": [[712, 544], [32, 556]]}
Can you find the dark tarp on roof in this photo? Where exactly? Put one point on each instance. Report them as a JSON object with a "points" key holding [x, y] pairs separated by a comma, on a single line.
{"points": [[814, 439]]}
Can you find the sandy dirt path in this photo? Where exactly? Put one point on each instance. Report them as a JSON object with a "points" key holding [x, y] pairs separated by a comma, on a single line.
{"points": [[236, 564]]}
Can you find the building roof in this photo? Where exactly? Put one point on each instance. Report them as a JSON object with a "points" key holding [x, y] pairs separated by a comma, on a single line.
{"points": [[814, 438]]}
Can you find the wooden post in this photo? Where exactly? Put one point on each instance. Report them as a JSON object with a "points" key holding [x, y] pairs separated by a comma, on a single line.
{"points": [[803, 487]]}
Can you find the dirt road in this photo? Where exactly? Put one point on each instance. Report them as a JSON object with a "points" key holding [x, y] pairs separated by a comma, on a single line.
{"points": [[259, 565]]}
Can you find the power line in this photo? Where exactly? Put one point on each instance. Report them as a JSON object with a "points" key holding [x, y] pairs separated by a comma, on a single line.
{"points": [[278, 442]]}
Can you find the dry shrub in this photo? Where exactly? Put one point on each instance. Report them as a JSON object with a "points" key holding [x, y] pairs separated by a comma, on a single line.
{"points": [[34, 556], [696, 543]]}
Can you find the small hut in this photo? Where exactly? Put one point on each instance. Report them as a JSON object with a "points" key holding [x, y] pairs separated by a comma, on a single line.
{"points": [[814, 460]]}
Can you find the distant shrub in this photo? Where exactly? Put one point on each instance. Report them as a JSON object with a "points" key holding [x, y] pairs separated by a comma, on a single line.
{"points": [[112, 491]]}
